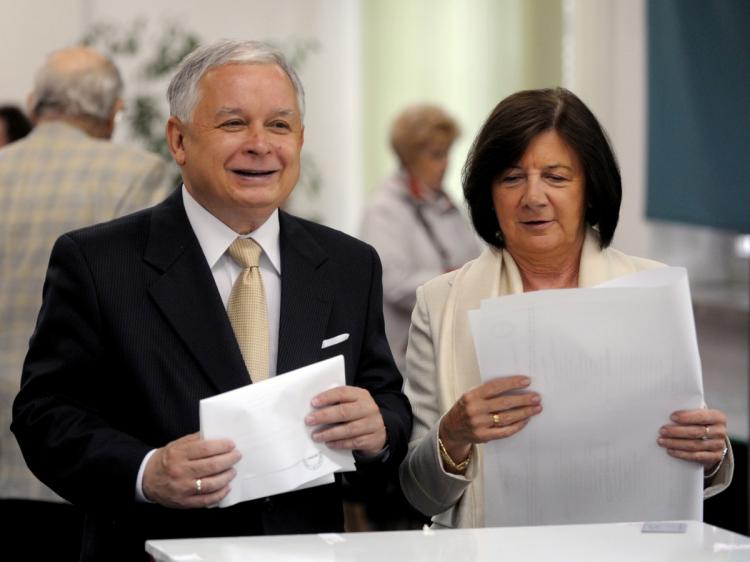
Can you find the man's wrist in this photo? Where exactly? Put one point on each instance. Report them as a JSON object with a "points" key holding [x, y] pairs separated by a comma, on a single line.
{"points": [[371, 458], [140, 495], [379, 456]]}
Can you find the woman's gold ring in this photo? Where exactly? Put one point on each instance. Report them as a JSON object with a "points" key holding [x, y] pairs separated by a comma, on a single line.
{"points": [[198, 486], [496, 420]]}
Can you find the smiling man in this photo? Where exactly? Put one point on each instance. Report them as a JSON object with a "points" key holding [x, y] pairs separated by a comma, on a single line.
{"points": [[211, 290]]}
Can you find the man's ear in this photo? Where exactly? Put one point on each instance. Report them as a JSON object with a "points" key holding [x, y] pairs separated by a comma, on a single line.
{"points": [[30, 109], [176, 139], [108, 127], [117, 108]]}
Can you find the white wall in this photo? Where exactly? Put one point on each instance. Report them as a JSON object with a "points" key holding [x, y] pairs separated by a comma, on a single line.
{"points": [[29, 30], [608, 71]]}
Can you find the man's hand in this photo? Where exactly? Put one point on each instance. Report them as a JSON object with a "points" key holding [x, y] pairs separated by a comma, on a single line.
{"points": [[171, 474], [351, 420]]}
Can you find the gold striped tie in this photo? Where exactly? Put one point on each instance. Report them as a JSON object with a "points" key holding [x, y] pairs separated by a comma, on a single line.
{"points": [[247, 308]]}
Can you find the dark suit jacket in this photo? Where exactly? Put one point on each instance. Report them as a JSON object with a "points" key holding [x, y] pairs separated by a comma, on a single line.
{"points": [[132, 334]]}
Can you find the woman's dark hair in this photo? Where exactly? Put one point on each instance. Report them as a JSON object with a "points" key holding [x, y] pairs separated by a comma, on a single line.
{"points": [[17, 125], [507, 133]]}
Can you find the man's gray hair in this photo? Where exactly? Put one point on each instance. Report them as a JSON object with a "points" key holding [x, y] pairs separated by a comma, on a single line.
{"points": [[183, 94], [89, 90]]}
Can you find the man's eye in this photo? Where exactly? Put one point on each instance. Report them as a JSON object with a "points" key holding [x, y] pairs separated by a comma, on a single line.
{"points": [[283, 125], [233, 124]]}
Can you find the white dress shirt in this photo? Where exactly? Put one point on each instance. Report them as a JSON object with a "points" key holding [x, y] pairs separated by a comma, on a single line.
{"points": [[215, 238]]}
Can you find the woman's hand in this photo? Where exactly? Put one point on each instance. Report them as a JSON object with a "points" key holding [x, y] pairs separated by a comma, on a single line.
{"points": [[696, 435], [487, 412]]}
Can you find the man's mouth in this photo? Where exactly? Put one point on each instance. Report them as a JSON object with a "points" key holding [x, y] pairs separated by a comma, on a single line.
{"points": [[254, 173]]}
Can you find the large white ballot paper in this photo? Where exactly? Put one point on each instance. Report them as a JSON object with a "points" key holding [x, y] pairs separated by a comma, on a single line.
{"points": [[266, 421], [611, 363]]}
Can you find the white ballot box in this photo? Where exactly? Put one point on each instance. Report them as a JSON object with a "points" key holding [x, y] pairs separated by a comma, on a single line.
{"points": [[608, 542]]}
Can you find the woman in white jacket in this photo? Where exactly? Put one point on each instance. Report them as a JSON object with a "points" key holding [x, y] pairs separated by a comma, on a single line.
{"points": [[544, 192]]}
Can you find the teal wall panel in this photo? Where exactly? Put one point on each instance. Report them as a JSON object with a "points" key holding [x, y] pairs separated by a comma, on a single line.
{"points": [[699, 112]]}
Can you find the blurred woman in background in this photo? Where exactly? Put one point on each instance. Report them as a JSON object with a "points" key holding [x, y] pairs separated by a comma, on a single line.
{"points": [[412, 223], [419, 233]]}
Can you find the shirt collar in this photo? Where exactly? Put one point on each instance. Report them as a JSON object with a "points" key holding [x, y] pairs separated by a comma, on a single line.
{"points": [[215, 237]]}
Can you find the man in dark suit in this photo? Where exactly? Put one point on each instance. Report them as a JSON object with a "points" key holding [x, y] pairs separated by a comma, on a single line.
{"points": [[134, 328]]}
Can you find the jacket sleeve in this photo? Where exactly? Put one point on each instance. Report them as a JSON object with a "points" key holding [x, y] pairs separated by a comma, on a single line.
{"points": [[425, 483], [377, 372], [723, 477], [57, 417]]}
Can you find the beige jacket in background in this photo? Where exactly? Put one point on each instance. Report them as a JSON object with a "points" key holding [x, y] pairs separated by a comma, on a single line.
{"points": [[54, 180]]}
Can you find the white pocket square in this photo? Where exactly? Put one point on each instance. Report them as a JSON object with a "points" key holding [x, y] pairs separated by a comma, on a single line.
{"points": [[334, 340]]}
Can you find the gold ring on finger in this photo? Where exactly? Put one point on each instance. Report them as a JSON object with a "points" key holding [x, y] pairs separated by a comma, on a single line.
{"points": [[496, 420], [707, 431], [198, 486]]}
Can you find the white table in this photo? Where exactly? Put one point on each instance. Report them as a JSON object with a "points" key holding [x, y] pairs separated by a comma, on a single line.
{"points": [[620, 542]]}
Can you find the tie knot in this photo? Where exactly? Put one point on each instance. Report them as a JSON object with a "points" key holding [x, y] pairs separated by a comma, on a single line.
{"points": [[246, 252]]}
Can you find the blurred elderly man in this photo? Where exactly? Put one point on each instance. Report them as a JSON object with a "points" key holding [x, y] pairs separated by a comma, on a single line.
{"points": [[64, 175]]}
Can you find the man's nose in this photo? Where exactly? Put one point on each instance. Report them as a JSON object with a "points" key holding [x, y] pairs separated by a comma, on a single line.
{"points": [[256, 141]]}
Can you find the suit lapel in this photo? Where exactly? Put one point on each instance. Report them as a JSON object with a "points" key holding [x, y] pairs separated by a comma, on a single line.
{"points": [[306, 296], [186, 294]]}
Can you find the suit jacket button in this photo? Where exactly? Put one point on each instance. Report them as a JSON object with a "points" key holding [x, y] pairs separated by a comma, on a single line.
{"points": [[268, 504]]}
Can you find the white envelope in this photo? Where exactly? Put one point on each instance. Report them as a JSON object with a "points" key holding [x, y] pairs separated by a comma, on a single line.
{"points": [[266, 421]]}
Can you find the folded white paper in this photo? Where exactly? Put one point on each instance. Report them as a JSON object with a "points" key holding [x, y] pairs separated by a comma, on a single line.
{"points": [[611, 364], [266, 421]]}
